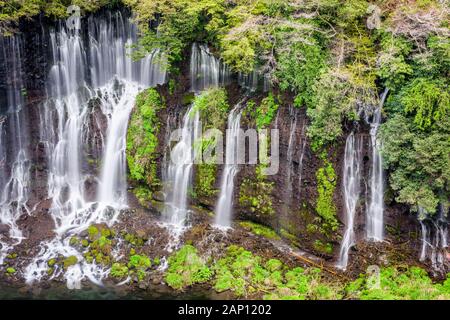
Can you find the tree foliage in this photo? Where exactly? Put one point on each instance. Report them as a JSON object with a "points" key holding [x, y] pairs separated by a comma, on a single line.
{"points": [[13, 10]]}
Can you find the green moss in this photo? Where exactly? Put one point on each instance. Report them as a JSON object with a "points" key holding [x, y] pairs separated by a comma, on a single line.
{"points": [[139, 264], [186, 268], [287, 235], [301, 284], [118, 270], [142, 138], [134, 239], [12, 256], [74, 241], [396, 284], [88, 257], [245, 273], [101, 250], [10, 270], [274, 265], [143, 194], [188, 98], [51, 262], [70, 261], [172, 86], [233, 270], [266, 111], [139, 261], [323, 247], [255, 196], [260, 230], [92, 232], [325, 207], [213, 107], [205, 180]]}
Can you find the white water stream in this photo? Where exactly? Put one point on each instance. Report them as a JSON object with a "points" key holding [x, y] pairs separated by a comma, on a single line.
{"points": [[224, 207], [351, 186], [113, 84]]}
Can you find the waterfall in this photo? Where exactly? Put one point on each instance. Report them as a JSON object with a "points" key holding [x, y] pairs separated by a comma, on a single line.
{"points": [[302, 155], [179, 170], [250, 81], [375, 208], [113, 185], [434, 232], [289, 159], [351, 185], [206, 70], [14, 162], [225, 202], [92, 77]]}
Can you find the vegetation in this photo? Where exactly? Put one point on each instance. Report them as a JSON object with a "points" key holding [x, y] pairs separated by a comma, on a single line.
{"points": [[13, 10], [396, 284], [205, 180], [266, 112], [186, 268], [248, 275], [212, 105], [325, 207], [331, 58], [255, 196], [142, 138], [259, 230]]}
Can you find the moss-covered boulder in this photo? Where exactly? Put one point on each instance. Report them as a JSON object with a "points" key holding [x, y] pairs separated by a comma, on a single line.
{"points": [[142, 138]]}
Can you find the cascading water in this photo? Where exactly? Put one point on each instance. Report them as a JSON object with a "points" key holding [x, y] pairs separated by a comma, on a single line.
{"points": [[225, 203], [14, 162], [85, 74], [301, 157], [434, 232], [249, 81], [206, 70], [375, 208], [179, 170], [289, 157], [351, 185]]}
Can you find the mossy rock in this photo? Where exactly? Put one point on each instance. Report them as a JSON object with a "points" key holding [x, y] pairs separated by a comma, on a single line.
{"points": [[93, 233], [260, 230], [142, 139], [119, 270], [51, 262], [12, 256], [74, 241], [11, 270], [188, 98], [70, 261]]}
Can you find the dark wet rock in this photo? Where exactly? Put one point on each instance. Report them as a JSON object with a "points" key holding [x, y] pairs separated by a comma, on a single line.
{"points": [[4, 229], [159, 196]]}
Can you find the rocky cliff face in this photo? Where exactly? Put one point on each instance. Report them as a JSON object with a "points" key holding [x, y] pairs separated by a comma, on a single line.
{"points": [[286, 201]]}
